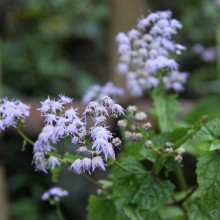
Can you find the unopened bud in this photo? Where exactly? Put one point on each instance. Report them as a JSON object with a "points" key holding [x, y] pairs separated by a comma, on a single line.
{"points": [[147, 126], [128, 135], [122, 123], [116, 142], [140, 116], [148, 144], [169, 150], [136, 136], [131, 109], [178, 158]]}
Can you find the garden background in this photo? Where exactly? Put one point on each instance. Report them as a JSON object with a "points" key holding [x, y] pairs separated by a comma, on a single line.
{"points": [[65, 46]]}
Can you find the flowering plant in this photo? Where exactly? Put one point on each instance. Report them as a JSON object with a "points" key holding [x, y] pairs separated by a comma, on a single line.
{"points": [[146, 180]]}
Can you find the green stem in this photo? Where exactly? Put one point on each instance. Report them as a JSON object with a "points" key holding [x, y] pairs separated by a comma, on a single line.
{"points": [[181, 178], [131, 171], [59, 212], [62, 149], [181, 201], [25, 137], [184, 138], [94, 182]]}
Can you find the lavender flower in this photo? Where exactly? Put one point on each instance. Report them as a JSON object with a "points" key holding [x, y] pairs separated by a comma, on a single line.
{"points": [[76, 166], [96, 92], [90, 133], [145, 54], [97, 162], [12, 112], [54, 195], [53, 162]]}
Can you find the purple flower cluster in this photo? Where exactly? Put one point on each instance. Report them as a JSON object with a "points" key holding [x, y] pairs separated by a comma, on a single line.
{"points": [[12, 112], [102, 142], [88, 133], [96, 92], [54, 195], [145, 54]]}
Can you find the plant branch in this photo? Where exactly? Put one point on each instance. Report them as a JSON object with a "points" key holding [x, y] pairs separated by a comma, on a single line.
{"points": [[94, 182], [181, 201], [25, 137], [59, 212]]}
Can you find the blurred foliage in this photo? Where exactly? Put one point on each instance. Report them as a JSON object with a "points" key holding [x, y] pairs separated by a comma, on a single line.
{"points": [[46, 45], [200, 19]]}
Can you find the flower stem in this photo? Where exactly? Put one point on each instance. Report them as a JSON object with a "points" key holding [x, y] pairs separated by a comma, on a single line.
{"points": [[181, 201], [180, 177], [59, 212], [94, 182], [130, 171], [25, 137]]}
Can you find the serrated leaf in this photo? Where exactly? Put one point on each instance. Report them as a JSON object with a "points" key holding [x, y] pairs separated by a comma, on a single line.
{"points": [[197, 210], [99, 209], [125, 184], [133, 213], [153, 193], [203, 138], [172, 213], [208, 172], [215, 145], [132, 148], [174, 136], [165, 108]]}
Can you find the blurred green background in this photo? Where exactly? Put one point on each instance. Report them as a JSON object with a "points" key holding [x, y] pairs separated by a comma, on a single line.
{"points": [[62, 46]]}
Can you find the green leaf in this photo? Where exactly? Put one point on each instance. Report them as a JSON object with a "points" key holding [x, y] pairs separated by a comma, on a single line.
{"points": [[132, 148], [172, 213], [99, 209], [165, 108], [206, 106], [55, 173], [110, 162], [208, 172], [197, 210], [106, 184], [69, 157], [125, 184], [133, 213], [205, 138], [215, 145], [153, 193]]}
